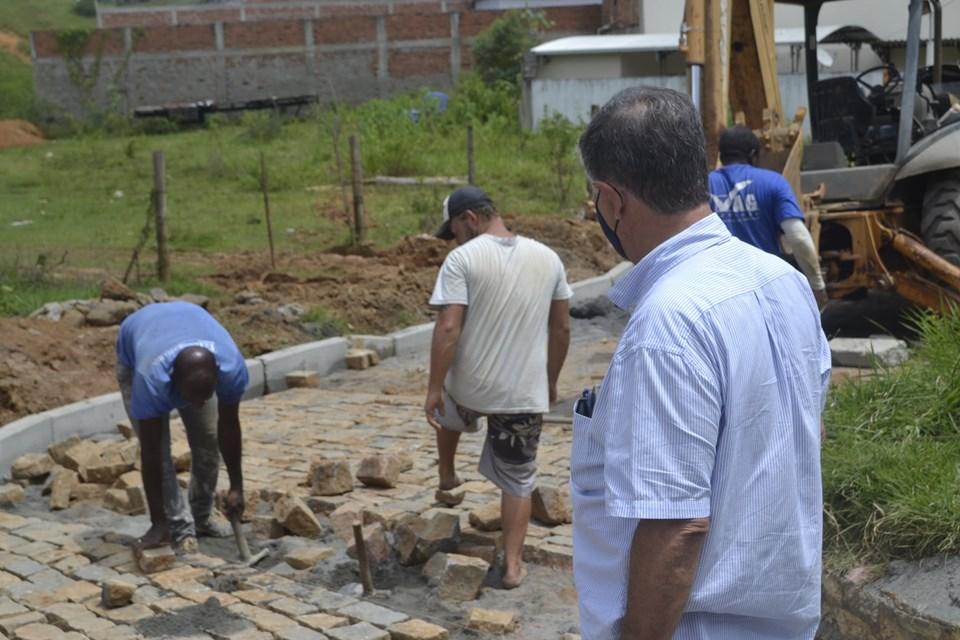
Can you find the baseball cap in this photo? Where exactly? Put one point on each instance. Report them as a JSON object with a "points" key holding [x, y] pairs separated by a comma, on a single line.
{"points": [[458, 203]]}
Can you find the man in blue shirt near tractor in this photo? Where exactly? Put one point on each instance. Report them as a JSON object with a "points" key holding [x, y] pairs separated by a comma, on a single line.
{"points": [[175, 356], [758, 205]]}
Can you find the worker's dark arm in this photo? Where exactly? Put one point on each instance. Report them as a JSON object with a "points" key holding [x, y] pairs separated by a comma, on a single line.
{"points": [[151, 467], [663, 562], [558, 342], [230, 439], [443, 349]]}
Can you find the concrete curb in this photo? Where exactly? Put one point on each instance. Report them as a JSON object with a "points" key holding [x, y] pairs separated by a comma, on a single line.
{"points": [[267, 375]]}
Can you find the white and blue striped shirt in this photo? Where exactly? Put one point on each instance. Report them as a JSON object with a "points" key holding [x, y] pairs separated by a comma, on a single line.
{"points": [[710, 409]]}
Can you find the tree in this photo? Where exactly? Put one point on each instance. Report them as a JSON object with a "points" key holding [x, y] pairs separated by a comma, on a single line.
{"points": [[498, 52]]}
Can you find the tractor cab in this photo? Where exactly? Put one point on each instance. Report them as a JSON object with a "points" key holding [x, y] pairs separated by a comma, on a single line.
{"points": [[862, 113]]}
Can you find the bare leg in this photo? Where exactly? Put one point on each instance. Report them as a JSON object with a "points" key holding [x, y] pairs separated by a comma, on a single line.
{"points": [[447, 441], [514, 516]]}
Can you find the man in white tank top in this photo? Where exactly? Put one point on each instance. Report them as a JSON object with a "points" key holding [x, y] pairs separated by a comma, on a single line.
{"points": [[499, 343]]}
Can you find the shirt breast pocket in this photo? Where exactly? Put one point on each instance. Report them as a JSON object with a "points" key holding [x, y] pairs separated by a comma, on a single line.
{"points": [[586, 457]]}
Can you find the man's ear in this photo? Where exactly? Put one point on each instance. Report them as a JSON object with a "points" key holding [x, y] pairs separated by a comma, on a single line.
{"points": [[613, 203]]}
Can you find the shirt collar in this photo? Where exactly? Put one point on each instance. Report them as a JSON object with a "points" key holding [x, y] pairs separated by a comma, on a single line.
{"points": [[696, 238]]}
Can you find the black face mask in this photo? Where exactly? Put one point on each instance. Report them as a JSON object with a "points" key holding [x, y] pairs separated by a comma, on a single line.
{"points": [[611, 234]]}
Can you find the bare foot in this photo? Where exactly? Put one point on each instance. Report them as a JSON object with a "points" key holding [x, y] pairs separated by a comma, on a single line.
{"points": [[514, 580], [157, 535], [448, 484]]}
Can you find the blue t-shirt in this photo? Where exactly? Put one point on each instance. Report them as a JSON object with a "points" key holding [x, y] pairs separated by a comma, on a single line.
{"points": [[752, 202], [150, 340]]}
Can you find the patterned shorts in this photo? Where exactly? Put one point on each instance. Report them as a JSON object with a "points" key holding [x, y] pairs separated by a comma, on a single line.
{"points": [[509, 457]]}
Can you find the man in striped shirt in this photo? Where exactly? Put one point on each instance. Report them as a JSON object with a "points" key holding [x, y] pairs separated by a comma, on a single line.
{"points": [[696, 483]]}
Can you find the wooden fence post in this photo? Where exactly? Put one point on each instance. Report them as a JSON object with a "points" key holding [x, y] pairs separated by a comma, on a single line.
{"points": [[359, 225], [265, 187], [160, 214]]}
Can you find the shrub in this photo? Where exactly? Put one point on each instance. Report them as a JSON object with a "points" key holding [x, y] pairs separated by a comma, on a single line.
{"points": [[498, 51]]}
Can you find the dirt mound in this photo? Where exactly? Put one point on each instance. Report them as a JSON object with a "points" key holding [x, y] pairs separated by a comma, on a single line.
{"points": [[11, 43], [390, 289], [46, 364], [19, 133]]}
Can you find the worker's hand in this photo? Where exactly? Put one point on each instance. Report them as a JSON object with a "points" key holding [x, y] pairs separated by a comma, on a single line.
{"points": [[432, 406], [821, 297], [232, 504]]}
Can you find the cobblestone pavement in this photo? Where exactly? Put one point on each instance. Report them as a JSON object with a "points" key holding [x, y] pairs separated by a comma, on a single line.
{"points": [[53, 564]]}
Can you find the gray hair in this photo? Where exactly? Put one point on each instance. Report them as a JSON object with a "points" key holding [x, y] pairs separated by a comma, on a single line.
{"points": [[649, 141]]}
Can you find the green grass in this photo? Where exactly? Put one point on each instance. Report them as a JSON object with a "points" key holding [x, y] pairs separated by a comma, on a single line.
{"points": [[16, 86], [89, 195], [891, 462], [23, 16]]}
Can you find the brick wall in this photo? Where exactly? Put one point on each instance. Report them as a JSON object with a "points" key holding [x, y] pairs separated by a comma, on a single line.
{"points": [[353, 56]]}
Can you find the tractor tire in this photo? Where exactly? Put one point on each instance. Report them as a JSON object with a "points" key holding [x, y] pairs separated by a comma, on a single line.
{"points": [[940, 221]]}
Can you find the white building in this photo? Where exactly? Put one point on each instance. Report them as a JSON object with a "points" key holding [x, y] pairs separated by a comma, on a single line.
{"points": [[572, 76]]}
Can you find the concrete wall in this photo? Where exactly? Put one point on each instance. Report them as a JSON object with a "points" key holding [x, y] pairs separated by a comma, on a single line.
{"points": [[355, 57]]}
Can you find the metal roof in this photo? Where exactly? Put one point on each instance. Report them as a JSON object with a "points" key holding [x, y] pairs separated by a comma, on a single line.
{"points": [[649, 42]]}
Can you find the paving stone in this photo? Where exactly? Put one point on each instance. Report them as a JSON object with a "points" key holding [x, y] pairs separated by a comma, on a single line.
{"points": [[78, 592], [87, 491], [10, 608], [487, 517], [323, 621], [491, 620], [296, 517], [116, 593], [417, 629], [330, 601], [63, 481], [156, 560], [372, 613], [170, 604], [330, 477], [11, 494], [94, 573], [71, 563], [75, 617], [130, 614], [551, 505], [129, 479], [361, 358], [291, 607], [57, 450], [80, 455], [303, 379], [256, 596], [379, 471], [181, 454], [23, 567], [417, 539], [7, 580], [450, 497], [343, 518], [308, 557], [10, 624], [41, 631], [263, 618], [33, 467], [376, 544], [300, 633], [455, 577], [361, 631]]}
